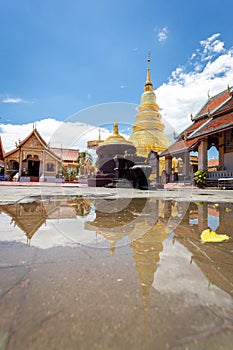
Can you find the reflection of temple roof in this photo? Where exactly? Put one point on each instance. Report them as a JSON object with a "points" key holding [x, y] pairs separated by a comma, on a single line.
{"points": [[208, 257], [29, 217]]}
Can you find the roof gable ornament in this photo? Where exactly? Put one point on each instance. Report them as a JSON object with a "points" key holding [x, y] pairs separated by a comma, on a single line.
{"points": [[229, 90], [176, 137]]}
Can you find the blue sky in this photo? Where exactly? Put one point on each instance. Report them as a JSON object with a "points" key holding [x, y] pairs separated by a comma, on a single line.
{"points": [[60, 57]]}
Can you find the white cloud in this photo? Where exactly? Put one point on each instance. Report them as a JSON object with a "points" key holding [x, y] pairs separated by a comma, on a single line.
{"points": [[162, 34], [11, 133], [14, 100], [56, 133], [187, 88]]}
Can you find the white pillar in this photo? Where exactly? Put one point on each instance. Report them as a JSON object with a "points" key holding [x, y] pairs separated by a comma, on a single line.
{"points": [[221, 141], [42, 165], [20, 162], [202, 155]]}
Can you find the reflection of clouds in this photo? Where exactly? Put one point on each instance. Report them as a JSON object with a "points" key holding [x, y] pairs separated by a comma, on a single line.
{"points": [[178, 275], [54, 233]]}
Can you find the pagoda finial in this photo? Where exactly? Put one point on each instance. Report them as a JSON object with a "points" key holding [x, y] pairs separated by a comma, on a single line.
{"points": [[115, 128], [228, 89], [148, 85]]}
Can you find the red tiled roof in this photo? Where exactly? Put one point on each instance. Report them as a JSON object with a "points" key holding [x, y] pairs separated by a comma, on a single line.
{"points": [[217, 124], [226, 106], [213, 162], [214, 102], [195, 126], [208, 124], [69, 155], [179, 147]]}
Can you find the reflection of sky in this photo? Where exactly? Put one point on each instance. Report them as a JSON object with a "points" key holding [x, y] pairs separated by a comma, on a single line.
{"points": [[59, 232], [55, 232], [178, 274], [213, 222], [193, 221]]}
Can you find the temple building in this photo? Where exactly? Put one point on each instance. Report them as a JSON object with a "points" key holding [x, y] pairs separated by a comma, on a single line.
{"points": [[34, 160], [212, 126], [119, 165], [148, 131]]}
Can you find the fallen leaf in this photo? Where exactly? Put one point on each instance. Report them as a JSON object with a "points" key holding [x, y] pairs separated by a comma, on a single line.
{"points": [[211, 236]]}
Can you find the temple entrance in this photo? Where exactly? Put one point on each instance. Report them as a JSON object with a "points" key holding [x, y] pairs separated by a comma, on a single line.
{"points": [[33, 167]]}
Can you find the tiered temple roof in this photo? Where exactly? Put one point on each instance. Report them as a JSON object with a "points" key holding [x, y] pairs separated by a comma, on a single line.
{"points": [[215, 116]]}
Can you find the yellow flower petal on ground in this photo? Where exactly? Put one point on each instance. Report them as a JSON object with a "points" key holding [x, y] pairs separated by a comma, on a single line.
{"points": [[211, 236]]}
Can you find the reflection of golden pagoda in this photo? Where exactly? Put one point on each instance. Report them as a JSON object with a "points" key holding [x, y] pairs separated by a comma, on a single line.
{"points": [[114, 220], [146, 255], [132, 220], [148, 131]]}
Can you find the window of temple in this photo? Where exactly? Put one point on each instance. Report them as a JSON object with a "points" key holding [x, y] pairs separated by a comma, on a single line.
{"points": [[50, 167], [13, 165]]}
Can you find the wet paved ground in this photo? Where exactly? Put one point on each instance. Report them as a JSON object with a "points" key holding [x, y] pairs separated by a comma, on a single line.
{"points": [[10, 192], [85, 268]]}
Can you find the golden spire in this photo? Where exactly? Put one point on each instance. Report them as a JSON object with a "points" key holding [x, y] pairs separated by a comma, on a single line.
{"points": [[148, 84], [115, 129]]}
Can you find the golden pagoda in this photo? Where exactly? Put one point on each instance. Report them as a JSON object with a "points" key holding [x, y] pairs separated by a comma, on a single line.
{"points": [[148, 131]]}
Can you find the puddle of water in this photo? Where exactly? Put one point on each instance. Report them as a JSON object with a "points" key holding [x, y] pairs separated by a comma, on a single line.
{"points": [[101, 273]]}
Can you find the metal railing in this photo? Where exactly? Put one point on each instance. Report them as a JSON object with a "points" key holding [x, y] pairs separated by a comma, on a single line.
{"points": [[220, 174]]}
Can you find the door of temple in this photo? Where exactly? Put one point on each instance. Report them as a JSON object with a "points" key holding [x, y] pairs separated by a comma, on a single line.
{"points": [[33, 167]]}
